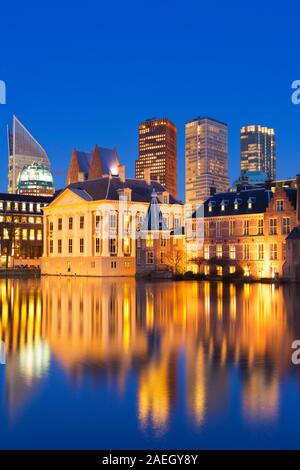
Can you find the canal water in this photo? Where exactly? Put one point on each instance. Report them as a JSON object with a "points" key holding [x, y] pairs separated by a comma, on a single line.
{"points": [[124, 364]]}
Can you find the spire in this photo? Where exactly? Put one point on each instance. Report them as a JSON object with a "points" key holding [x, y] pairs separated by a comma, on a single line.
{"points": [[154, 219]]}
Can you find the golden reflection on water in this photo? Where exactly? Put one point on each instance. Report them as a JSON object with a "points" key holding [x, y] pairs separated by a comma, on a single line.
{"points": [[165, 333]]}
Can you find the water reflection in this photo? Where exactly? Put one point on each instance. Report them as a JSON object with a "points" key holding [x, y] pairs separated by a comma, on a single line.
{"points": [[183, 342]]}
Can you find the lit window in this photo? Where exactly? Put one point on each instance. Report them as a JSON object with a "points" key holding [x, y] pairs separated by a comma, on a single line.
{"points": [[149, 240], [39, 234], [246, 252], [246, 227], [219, 251], [24, 234], [273, 227], [1, 205], [38, 207], [206, 252], [31, 234], [261, 253], [23, 206], [273, 252], [31, 207], [126, 246], [279, 206], [232, 253], [260, 228], [8, 206], [16, 206]]}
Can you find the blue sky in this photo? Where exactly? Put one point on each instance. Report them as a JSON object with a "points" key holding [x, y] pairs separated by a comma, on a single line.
{"points": [[88, 72]]}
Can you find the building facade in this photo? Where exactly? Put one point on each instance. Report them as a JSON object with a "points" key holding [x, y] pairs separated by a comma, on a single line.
{"points": [[158, 153], [206, 159], [160, 252], [21, 229], [23, 149], [258, 150], [91, 227], [243, 231], [91, 165]]}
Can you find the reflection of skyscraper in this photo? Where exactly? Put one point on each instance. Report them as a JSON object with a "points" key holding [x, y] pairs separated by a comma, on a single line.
{"points": [[206, 159], [258, 150], [23, 150]]}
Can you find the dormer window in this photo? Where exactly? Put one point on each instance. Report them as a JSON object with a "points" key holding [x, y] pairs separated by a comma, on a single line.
{"points": [[210, 207], [1, 206], [222, 206], [236, 204], [125, 194], [249, 203]]}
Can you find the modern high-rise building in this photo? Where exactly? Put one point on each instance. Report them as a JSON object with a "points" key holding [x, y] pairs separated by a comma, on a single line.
{"points": [[35, 180], [23, 150], [206, 159], [258, 150], [158, 152]]}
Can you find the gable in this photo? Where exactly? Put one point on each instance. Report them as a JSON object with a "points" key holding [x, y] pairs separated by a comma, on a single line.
{"points": [[67, 197]]}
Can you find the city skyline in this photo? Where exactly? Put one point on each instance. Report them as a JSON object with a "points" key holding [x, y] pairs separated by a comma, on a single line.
{"points": [[74, 110]]}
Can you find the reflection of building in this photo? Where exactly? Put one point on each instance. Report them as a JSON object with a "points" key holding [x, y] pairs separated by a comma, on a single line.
{"points": [[91, 226], [206, 159], [35, 180], [258, 150], [245, 230], [91, 165], [23, 150], [21, 229], [158, 153]]}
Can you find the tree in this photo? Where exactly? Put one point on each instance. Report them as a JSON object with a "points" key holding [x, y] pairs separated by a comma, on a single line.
{"points": [[176, 261]]}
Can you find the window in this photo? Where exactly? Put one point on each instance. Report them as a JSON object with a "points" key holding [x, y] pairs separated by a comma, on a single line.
{"points": [[113, 264], [279, 206], [206, 251], [231, 228], [24, 234], [163, 241], [260, 227], [70, 245], [166, 220], [232, 269], [206, 229], [59, 224], [219, 251], [30, 207], [81, 245], [112, 246], [218, 228], [81, 222], [236, 205], [1, 205], [31, 220], [166, 199], [59, 246], [70, 223], [246, 252], [16, 206], [8, 206], [286, 225], [210, 207], [113, 221], [5, 234], [51, 226], [126, 246], [261, 252], [150, 257], [177, 221], [23, 206], [97, 247], [219, 271], [162, 257], [206, 270], [273, 226], [51, 246], [149, 240], [38, 207], [232, 251], [246, 227], [39, 234], [273, 252], [31, 234]]}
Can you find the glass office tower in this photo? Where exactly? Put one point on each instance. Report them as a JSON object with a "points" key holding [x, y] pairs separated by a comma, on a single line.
{"points": [[158, 152], [206, 159], [258, 150]]}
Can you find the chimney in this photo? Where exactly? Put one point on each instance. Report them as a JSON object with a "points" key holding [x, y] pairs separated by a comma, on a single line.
{"points": [[147, 176], [213, 190], [122, 173], [298, 199]]}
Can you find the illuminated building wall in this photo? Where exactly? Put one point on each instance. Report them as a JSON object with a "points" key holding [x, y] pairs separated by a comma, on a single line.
{"points": [[206, 159], [158, 152], [258, 150]]}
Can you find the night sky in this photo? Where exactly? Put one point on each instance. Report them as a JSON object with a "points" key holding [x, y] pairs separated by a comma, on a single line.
{"points": [[88, 72]]}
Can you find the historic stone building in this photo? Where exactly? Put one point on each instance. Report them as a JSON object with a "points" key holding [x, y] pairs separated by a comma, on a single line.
{"points": [[160, 251], [244, 231], [91, 227]]}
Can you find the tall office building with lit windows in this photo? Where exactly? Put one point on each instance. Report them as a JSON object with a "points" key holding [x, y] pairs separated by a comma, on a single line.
{"points": [[206, 159], [158, 152], [258, 150]]}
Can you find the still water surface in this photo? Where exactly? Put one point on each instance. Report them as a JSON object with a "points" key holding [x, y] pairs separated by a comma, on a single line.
{"points": [[116, 363]]}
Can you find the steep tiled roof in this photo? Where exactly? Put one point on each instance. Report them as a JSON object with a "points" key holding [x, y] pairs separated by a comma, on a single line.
{"points": [[295, 234], [107, 188], [223, 204], [84, 161], [153, 220]]}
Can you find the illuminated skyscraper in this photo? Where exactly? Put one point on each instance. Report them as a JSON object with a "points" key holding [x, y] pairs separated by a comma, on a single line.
{"points": [[23, 150], [258, 150], [206, 159], [158, 152]]}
